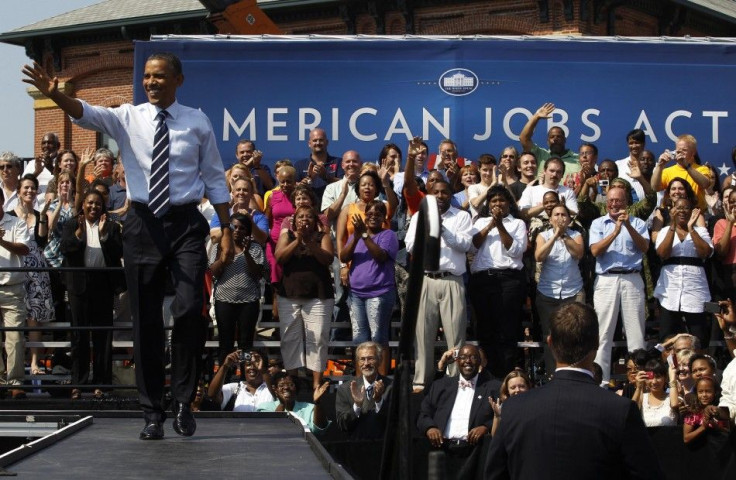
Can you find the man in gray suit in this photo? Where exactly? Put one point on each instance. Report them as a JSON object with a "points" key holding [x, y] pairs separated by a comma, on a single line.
{"points": [[571, 428], [361, 404]]}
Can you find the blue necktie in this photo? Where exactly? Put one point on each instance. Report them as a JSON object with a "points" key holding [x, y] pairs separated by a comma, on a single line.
{"points": [[369, 392], [158, 186]]}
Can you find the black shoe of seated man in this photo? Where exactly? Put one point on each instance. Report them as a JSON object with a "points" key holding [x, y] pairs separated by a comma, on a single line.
{"points": [[184, 423], [152, 431]]}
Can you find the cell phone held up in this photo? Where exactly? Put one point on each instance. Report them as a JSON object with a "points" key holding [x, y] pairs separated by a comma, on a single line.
{"points": [[712, 307]]}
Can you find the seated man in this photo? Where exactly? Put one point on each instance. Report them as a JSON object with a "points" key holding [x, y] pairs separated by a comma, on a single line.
{"points": [[312, 415], [456, 414], [360, 405], [252, 391]]}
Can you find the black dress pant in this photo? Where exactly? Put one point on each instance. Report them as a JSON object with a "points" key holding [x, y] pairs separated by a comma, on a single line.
{"points": [[154, 248], [498, 298], [236, 317], [92, 308]]}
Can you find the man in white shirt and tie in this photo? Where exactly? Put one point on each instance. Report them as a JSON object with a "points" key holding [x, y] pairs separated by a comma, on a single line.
{"points": [[171, 161]]}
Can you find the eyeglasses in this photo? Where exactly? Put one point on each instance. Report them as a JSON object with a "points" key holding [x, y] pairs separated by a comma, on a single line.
{"points": [[6, 167], [466, 358], [505, 155]]}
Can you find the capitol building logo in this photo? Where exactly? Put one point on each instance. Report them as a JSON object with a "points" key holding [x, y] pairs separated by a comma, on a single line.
{"points": [[458, 82]]}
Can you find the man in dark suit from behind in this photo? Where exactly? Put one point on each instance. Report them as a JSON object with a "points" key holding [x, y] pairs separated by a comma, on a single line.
{"points": [[361, 404], [455, 414], [571, 428]]}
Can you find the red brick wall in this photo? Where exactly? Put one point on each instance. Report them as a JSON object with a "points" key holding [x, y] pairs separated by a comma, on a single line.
{"points": [[102, 74]]}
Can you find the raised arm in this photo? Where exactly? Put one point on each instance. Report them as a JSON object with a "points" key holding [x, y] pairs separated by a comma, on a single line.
{"points": [[525, 137]]}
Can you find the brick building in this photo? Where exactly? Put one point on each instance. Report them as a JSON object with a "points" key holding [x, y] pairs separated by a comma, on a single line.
{"points": [[90, 49]]}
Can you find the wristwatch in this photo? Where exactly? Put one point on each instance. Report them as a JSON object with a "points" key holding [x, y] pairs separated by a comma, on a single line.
{"points": [[225, 225], [364, 235]]}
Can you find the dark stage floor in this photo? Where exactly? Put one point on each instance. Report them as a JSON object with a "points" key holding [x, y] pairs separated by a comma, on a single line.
{"points": [[237, 447]]}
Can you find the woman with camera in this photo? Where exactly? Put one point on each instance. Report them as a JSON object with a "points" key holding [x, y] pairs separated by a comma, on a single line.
{"points": [[237, 287], [250, 392]]}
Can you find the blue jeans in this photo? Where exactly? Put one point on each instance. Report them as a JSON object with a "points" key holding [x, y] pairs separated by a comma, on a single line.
{"points": [[371, 317]]}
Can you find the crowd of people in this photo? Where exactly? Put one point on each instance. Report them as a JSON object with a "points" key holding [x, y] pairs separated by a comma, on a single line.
{"points": [[646, 236]]}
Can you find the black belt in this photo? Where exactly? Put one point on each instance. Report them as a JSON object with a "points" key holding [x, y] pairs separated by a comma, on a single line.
{"points": [[695, 262], [436, 275], [456, 442], [172, 208], [497, 271], [622, 271]]}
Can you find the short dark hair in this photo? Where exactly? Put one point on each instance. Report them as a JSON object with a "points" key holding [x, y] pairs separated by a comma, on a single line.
{"points": [[245, 220], [28, 176], [385, 150], [573, 332], [377, 205], [702, 356], [278, 376], [243, 141], [169, 58], [99, 183], [486, 159], [306, 190], [92, 191], [494, 191], [590, 145], [638, 135], [655, 365], [555, 159], [376, 180]]}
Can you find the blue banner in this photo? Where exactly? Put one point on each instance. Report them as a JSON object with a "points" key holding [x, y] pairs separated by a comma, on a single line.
{"points": [[478, 92]]}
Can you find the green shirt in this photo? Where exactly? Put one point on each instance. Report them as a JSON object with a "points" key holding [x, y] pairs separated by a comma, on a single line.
{"points": [[571, 159]]}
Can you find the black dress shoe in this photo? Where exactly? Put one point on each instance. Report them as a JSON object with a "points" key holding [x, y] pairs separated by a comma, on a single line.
{"points": [[184, 423], [152, 431]]}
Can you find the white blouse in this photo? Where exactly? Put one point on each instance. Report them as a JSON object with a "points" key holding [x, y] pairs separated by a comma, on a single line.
{"points": [[659, 416], [492, 254], [683, 288]]}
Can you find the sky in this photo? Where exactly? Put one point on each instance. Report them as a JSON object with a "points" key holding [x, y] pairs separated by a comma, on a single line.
{"points": [[16, 123]]}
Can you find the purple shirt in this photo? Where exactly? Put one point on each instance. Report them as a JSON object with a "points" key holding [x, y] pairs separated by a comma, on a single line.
{"points": [[369, 278]]}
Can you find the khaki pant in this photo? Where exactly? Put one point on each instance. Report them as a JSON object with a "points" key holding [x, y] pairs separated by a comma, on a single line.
{"points": [[442, 300], [13, 310]]}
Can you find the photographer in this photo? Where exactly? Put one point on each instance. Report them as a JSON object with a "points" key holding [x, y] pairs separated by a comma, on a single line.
{"points": [[246, 395]]}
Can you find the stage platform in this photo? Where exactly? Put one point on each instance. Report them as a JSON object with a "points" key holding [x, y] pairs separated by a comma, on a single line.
{"points": [[226, 445]]}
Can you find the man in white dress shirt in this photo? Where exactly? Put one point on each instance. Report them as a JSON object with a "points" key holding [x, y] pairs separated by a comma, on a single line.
{"points": [[455, 414], [531, 199], [442, 298], [164, 231]]}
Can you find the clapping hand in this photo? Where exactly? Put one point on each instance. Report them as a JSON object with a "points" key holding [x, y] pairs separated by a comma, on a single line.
{"points": [[255, 160], [358, 393], [378, 389], [103, 223], [693, 218], [359, 225], [320, 391]]}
